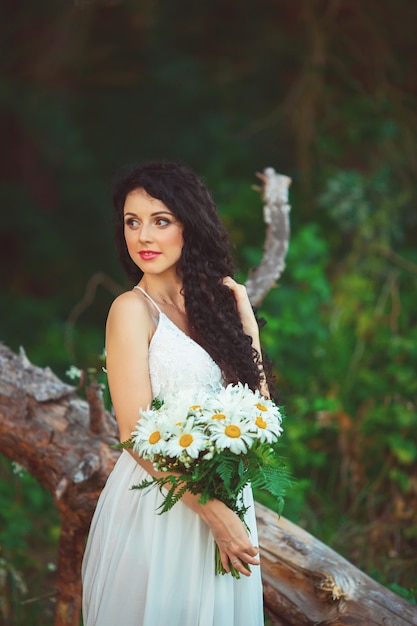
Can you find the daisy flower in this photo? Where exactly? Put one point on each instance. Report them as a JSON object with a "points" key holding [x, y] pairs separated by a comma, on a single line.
{"points": [[266, 425], [175, 416], [149, 438], [267, 406], [74, 373], [233, 433], [223, 408], [179, 408], [188, 439], [238, 395]]}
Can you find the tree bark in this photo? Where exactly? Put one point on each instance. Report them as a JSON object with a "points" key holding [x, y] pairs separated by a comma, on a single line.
{"points": [[64, 442], [306, 583], [276, 217]]}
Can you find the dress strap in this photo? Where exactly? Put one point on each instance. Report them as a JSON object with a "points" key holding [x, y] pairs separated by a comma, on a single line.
{"points": [[149, 297]]}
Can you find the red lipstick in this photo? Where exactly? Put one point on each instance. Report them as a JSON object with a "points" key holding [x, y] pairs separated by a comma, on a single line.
{"points": [[148, 255]]}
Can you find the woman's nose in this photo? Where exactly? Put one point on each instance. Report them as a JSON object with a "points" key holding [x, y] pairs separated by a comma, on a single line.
{"points": [[145, 233]]}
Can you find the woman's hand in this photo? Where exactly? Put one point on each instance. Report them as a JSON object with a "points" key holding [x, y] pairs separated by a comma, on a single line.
{"points": [[231, 536], [244, 307], [228, 530]]}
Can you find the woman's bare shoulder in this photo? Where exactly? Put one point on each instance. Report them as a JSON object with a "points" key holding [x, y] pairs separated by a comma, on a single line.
{"points": [[129, 308]]}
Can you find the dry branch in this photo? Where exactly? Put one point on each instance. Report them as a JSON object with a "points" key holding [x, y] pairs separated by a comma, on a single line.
{"points": [[97, 279], [276, 217]]}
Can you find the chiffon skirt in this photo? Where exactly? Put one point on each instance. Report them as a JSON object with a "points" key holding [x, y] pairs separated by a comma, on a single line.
{"points": [[145, 569]]}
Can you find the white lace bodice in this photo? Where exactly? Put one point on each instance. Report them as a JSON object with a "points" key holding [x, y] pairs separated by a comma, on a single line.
{"points": [[177, 362]]}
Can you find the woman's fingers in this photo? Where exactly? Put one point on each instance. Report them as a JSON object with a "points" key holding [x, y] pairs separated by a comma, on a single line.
{"points": [[231, 536], [239, 552], [243, 304], [240, 563]]}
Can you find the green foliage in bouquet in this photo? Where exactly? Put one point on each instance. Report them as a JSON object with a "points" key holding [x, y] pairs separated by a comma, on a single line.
{"points": [[224, 476], [213, 447]]}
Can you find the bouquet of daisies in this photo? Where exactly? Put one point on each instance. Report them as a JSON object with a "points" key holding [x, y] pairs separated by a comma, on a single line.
{"points": [[215, 445]]}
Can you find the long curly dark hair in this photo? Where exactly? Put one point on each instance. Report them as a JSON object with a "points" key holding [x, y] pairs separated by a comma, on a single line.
{"points": [[205, 260]]}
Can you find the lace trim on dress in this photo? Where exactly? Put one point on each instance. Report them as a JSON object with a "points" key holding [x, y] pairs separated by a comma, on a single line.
{"points": [[176, 361]]}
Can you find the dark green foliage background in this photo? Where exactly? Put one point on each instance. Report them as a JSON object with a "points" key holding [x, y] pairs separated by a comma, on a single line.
{"points": [[323, 91]]}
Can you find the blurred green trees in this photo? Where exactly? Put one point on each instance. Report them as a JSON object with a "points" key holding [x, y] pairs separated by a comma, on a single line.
{"points": [[323, 91]]}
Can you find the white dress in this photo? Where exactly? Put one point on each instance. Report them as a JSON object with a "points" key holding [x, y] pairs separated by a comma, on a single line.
{"points": [[145, 569]]}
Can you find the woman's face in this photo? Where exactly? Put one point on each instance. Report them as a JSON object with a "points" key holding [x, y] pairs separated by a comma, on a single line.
{"points": [[152, 232]]}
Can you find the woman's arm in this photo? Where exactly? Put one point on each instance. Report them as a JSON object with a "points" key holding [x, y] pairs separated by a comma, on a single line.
{"points": [[128, 332], [249, 323]]}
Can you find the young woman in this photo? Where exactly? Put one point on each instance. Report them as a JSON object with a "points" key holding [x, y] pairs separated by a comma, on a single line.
{"points": [[186, 324]]}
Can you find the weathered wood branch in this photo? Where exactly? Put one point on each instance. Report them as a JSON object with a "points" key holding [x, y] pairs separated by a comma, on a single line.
{"points": [[65, 444], [306, 583], [276, 217]]}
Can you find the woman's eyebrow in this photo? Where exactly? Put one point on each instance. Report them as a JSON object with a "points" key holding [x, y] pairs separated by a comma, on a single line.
{"points": [[162, 212]]}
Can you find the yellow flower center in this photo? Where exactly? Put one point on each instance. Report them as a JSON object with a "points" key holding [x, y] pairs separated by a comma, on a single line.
{"points": [[155, 437], [195, 407], [260, 422], [261, 407], [186, 440], [218, 416], [232, 431]]}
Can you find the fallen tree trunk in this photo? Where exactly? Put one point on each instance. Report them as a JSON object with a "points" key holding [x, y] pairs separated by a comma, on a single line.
{"points": [[306, 583], [64, 442]]}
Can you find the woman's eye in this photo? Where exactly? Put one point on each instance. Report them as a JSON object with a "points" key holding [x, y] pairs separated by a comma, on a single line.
{"points": [[161, 221], [132, 223]]}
